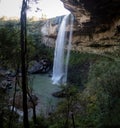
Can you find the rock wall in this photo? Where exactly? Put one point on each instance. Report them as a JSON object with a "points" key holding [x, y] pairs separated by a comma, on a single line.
{"points": [[96, 25], [50, 30]]}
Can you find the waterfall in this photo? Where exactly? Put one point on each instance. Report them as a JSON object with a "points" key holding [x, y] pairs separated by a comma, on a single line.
{"points": [[59, 68]]}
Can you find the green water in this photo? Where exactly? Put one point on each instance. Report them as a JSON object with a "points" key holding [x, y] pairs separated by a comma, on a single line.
{"points": [[43, 88]]}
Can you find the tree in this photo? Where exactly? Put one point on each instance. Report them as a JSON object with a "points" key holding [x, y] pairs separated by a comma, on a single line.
{"points": [[24, 61]]}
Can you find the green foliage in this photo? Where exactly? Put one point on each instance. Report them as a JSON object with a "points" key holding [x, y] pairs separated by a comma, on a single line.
{"points": [[9, 45], [41, 122], [102, 95], [43, 51], [10, 49], [67, 109], [79, 58], [79, 67], [5, 112]]}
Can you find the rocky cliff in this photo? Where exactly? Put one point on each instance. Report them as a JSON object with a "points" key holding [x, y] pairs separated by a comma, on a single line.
{"points": [[96, 25]]}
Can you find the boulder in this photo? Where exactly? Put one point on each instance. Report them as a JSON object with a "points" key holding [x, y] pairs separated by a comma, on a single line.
{"points": [[41, 66]]}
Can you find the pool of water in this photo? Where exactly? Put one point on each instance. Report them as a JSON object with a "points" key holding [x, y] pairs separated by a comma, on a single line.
{"points": [[43, 88]]}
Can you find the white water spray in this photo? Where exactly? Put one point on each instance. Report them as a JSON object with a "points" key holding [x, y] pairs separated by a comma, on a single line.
{"points": [[59, 68]]}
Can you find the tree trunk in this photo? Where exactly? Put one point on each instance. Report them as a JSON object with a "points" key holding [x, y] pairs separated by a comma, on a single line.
{"points": [[24, 62], [11, 118], [34, 109]]}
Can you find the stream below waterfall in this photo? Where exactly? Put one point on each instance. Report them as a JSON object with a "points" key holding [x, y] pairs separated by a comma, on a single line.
{"points": [[43, 88]]}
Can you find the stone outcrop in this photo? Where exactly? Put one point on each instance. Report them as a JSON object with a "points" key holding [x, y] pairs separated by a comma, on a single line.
{"points": [[41, 66], [96, 25]]}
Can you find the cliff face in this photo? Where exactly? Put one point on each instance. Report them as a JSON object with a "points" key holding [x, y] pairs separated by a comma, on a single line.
{"points": [[50, 30], [96, 25]]}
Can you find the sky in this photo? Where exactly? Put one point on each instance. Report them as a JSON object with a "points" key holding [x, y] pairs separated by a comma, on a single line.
{"points": [[50, 8]]}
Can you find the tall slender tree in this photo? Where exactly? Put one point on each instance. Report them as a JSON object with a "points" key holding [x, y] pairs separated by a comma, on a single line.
{"points": [[24, 62]]}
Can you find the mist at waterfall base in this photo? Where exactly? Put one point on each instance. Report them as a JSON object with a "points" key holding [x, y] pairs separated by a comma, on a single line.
{"points": [[61, 60]]}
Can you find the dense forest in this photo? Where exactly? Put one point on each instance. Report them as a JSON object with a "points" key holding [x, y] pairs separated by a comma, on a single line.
{"points": [[91, 99]]}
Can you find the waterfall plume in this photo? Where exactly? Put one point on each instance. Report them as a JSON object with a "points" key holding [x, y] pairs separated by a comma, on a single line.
{"points": [[61, 60]]}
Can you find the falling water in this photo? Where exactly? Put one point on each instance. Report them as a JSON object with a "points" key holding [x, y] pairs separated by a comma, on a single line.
{"points": [[69, 47], [59, 70]]}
